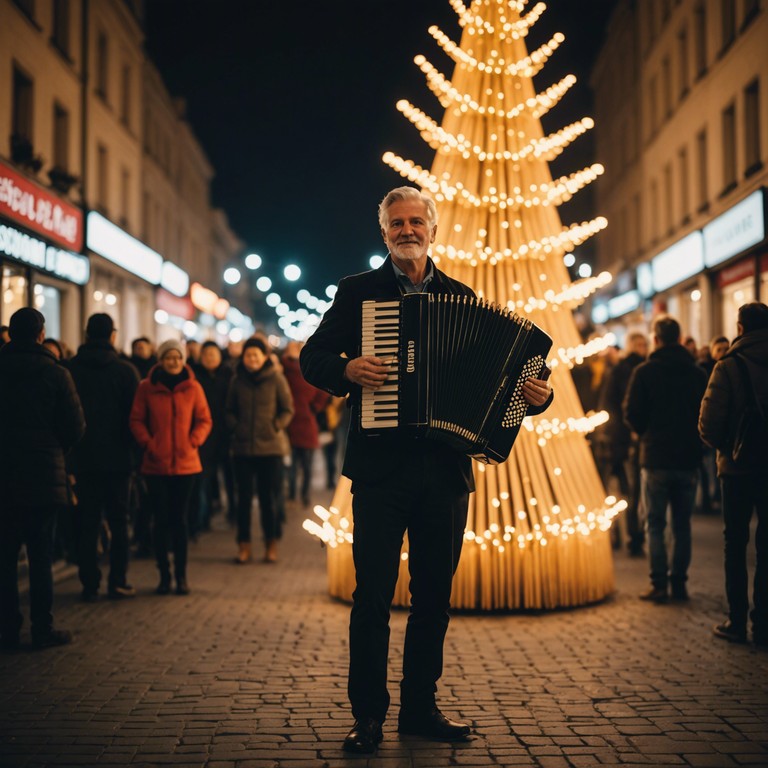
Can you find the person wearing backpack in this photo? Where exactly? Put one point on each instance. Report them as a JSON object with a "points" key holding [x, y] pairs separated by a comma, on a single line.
{"points": [[734, 420]]}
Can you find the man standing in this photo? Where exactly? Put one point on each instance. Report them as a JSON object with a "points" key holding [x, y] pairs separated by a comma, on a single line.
{"points": [[102, 461], [621, 442], [42, 420], [398, 483], [744, 482], [662, 407]]}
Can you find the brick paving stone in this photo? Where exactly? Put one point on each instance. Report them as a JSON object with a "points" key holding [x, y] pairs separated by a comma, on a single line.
{"points": [[249, 671]]}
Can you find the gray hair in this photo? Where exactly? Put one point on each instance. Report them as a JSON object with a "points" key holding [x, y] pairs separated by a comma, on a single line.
{"points": [[406, 193]]}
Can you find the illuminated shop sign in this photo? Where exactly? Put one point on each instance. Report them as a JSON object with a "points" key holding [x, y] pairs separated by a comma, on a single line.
{"points": [[29, 250], [174, 305], [174, 279], [680, 261], [736, 230], [35, 208], [207, 301], [111, 242]]}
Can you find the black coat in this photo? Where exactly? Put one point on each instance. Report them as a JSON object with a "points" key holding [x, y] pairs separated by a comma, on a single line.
{"points": [[662, 406], [617, 433], [41, 420], [215, 385], [106, 385]]}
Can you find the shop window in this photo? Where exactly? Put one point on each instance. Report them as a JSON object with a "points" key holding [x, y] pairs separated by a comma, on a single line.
{"points": [[700, 39], [102, 65], [752, 127], [702, 186], [48, 302], [61, 24], [728, 121], [15, 289]]}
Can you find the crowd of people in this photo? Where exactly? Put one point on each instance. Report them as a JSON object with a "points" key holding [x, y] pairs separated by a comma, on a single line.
{"points": [[109, 455]]}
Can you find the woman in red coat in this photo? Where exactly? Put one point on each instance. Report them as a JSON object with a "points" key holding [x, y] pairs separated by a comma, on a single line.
{"points": [[170, 420]]}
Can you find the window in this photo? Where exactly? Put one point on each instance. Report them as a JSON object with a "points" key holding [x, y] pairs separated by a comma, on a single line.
{"points": [[654, 228], [652, 108], [145, 217], [125, 105], [728, 18], [752, 126], [700, 39], [60, 137], [636, 243], [101, 178], [682, 55], [685, 200], [666, 85], [102, 55], [21, 120], [125, 194], [729, 147], [702, 186], [60, 36], [668, 200]]}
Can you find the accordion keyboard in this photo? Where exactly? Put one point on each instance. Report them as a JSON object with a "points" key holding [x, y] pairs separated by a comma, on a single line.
{"points": [[381, 337]]}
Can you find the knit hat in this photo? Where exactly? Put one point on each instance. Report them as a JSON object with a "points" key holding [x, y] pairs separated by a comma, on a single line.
{"points": [[255, 341], [99, 327], [25, 324], [169, 345]]}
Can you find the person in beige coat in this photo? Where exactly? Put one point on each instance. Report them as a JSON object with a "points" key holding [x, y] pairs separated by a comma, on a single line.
{"points": [[259, 408]]}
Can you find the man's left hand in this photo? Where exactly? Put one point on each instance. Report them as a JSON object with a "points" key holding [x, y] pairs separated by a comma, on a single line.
{"points": [[536, 391]]}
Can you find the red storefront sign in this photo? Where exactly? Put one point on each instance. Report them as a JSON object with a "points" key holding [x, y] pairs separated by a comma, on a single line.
{"points": [[174, 305], [35, 208], [736, 272]]}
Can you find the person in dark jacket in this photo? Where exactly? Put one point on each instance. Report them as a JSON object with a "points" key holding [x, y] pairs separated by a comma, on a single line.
{"points": [[103, 460], [214, 378], [744, 481], [42, 420], [303, 431], [259, 408], [398, 483], [623, 456], [662, 407], [170, 420], [142, 356]]}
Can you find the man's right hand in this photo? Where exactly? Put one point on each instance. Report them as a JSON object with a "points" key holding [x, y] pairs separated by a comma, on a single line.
{"points": [[368, 371]]}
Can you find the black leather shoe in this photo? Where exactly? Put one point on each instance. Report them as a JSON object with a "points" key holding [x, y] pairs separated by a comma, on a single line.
{"points": [[432, 724], [364, 737]]}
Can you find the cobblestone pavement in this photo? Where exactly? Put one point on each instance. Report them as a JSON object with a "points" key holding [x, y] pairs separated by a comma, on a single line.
{"points": [[248, 671]]}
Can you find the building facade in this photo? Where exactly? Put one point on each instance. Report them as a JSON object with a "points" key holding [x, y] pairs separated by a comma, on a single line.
{"points": [[681, 113], [104, 189]]}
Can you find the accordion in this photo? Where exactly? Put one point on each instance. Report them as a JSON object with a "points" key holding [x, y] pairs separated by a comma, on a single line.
{"points": [[457, 371]]}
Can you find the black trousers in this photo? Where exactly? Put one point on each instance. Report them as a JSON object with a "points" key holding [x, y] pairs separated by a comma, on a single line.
{"points": [[434, 516], [268, 472], [102, 495], [33, 527], [301, 461], [169, 496], [741, 495]]}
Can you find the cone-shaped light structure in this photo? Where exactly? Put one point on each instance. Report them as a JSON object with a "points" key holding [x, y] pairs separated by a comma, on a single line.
{"points": [[538, 529]]}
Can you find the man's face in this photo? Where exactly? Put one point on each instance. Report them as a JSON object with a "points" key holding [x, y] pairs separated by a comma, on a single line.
{"points": [[408, 234], [142, 349], [639, 345], [210, 358], [193, 350]]}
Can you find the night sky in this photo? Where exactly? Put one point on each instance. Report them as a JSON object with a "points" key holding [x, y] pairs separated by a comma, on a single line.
{"points": [[294, 105]]}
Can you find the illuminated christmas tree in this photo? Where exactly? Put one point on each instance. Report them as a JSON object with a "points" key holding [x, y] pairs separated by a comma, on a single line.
{"points": [[538, 529]]}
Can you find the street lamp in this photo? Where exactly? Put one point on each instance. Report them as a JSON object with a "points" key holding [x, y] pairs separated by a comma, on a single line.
{"points": [[253, 261], [232, 276]]}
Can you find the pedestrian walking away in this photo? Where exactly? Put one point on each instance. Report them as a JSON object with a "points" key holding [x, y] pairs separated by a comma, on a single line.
{"points": [[42, 420], [662, 407], [734, 420], [103, 460], [399, 483]]}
